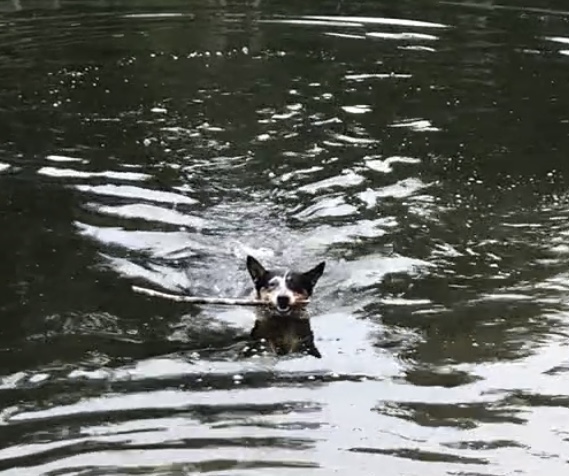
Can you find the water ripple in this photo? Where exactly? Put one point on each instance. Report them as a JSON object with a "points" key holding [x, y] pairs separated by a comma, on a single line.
{"points": [[381, 21], [127, 191], [167, 146], [72, 173]]}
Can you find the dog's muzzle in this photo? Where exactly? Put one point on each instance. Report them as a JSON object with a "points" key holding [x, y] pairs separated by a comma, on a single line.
{"points": [[283, 304]]}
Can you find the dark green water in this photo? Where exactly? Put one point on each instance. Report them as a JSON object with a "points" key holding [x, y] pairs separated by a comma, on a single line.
{"points": [[420, 148]]}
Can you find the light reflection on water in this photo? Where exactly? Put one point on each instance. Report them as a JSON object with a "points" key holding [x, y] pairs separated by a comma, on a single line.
{"points": [[179, 142]]}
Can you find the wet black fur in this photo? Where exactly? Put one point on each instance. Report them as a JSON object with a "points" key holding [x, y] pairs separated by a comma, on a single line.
{"points": [[283, 335]]}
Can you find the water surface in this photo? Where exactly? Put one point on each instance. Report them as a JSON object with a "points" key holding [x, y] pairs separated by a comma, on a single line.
{"points": [[420, 150]]}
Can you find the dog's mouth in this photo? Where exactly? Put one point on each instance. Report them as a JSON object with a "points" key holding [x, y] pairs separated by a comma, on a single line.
{"points": [[283, 304], [284, 309]]}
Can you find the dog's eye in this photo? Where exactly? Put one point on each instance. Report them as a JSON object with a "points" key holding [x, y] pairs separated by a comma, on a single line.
{"points": [[273, 283]]}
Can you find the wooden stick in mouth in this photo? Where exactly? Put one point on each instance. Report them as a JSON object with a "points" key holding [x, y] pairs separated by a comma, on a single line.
{"points": [[205, 300]]}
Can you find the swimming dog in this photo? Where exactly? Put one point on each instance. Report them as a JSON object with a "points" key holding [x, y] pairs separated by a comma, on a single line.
{"points": [[283, 325]]}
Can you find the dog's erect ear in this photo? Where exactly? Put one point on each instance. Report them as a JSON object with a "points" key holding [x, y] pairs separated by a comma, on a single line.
{"points": [[255, 269], [314, 274]]}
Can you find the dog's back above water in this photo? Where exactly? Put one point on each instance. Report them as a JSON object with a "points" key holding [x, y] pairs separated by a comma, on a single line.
{"points": [[283, 325]]}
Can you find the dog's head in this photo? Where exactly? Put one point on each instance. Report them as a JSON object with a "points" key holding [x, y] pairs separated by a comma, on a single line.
{"points": [[284, 291]]}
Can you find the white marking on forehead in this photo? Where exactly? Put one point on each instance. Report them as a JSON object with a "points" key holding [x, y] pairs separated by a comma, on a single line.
{"points": [[280, 283], [281, 279], [278, 280]]}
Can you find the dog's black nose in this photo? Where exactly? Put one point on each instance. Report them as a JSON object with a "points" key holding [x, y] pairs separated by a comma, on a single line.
{"points": [[283, 302]]}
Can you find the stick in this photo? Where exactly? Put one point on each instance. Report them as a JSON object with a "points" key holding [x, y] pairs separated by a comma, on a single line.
{"points": [[197, 299], [203, 300]]}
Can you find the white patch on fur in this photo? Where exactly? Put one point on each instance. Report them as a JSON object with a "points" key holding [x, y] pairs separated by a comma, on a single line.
{"points": [[281, 289]]}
